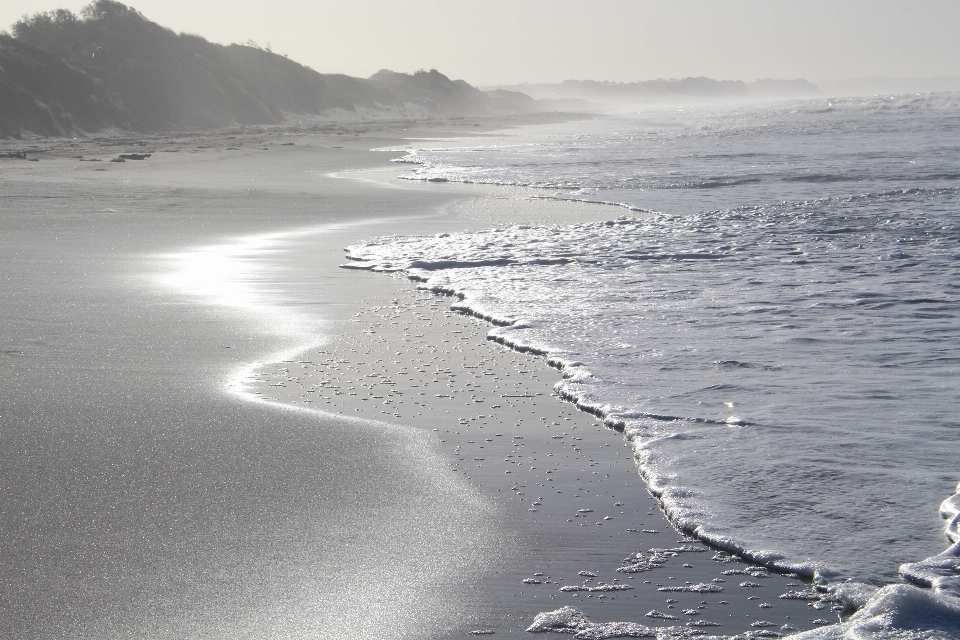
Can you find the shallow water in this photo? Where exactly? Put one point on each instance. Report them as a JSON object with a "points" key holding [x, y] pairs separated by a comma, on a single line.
{"points": [[780, 342], [705, 158]]}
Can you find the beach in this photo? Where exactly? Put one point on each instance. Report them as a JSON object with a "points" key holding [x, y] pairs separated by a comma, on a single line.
{"points": [[564, 484], [142, 498], [211, 428], [436, 323]]}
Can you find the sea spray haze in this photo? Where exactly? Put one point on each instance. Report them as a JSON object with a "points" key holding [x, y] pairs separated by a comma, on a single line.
{"points": [[777, 332], [697, 159]]}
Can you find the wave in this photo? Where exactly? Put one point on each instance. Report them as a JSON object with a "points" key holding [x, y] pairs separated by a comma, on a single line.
{"points": [[601, 301], [883, 612], [782, 369], [788, 152]]}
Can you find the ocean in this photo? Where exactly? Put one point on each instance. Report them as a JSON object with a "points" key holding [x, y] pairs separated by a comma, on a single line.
{"points": [[769, 312]]}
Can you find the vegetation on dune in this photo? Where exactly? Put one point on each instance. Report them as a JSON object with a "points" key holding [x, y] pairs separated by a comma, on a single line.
{"points": [[437, 92], [110, 66], [41, 92]]}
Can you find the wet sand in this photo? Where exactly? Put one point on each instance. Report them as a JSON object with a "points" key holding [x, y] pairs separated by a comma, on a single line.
{"points": [[140, 497], [566, 484], [146, 494]]}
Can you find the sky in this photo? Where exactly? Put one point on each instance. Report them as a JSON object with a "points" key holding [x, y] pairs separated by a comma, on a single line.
{"points": [[491, 42]]}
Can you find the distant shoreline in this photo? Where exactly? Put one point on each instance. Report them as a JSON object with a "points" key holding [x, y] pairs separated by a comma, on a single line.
{"points": [[34, 146]]}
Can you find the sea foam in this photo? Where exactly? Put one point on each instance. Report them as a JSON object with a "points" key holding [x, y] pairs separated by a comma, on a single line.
{"points": [[666, 326], [780, 348]]}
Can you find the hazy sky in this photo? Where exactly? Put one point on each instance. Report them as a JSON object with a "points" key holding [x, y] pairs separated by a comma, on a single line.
{"points": [[510, 41]]}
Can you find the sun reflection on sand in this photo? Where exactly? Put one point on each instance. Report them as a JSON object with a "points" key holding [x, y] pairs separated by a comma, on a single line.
{"points": [[238, 274], [249, 276]]}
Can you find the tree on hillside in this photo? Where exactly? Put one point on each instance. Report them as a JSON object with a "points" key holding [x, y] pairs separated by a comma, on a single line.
{"points": [[63, 32], [106, 9], [47, 24]]}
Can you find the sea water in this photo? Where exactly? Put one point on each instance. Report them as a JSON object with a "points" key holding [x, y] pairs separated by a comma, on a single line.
{"points": [[771, 314]]}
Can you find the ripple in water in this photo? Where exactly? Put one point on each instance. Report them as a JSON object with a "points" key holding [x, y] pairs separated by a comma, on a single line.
{"points": [[786, 371]]}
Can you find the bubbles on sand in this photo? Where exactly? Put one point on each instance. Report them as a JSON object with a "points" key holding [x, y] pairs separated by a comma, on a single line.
{"points": [[650, 310]]}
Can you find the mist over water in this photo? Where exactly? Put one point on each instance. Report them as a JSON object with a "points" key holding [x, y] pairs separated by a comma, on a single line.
{"points": [[780, 342], [703, 158]]}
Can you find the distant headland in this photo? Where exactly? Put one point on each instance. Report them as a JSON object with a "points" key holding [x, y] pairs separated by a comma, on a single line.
{"points": [[676, 90], [112, 68]]}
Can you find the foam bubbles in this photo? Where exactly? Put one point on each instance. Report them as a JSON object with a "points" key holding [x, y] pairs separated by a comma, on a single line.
{"points": [[659, 325], [784, 370], [898, 612]]}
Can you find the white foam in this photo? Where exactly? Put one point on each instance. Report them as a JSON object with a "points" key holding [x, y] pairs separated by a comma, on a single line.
{"points": [[574, 621], [950, 511], [614, 305], [941, 573], [944, 565], [828, 321], [565, 619], [897, 612]]}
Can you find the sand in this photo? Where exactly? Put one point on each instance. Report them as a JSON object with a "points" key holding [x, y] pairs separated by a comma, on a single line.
{"points": [[149, 304], [567, 483]]}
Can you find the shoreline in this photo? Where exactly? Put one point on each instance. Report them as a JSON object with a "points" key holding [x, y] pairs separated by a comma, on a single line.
{"points": [[142, 499], [923, 572], [586, 523], [424, 535], [284, 382], [808, 571]]}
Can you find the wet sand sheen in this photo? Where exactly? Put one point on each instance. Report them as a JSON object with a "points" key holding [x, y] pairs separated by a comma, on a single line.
{"points": [[569, 480], [142, 500]]}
